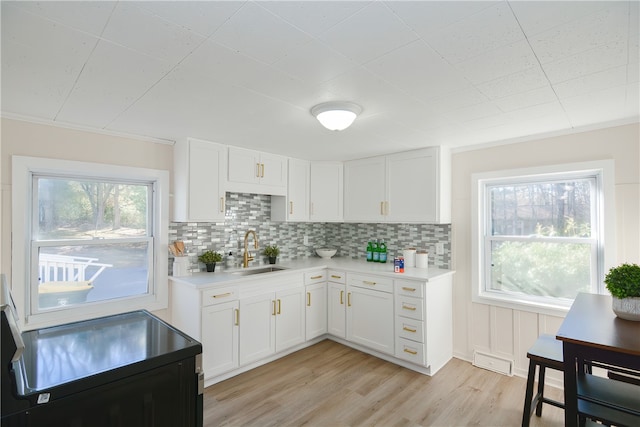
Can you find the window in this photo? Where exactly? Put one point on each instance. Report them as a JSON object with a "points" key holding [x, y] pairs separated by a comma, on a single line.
{"points": [[539, 235], [93, 238]]}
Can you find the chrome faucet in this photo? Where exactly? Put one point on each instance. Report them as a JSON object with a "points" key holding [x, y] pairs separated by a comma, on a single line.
{"points": [[247, 257]]}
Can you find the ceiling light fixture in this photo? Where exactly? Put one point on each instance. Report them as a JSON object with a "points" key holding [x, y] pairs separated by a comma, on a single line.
{"points": [[336, 115]]}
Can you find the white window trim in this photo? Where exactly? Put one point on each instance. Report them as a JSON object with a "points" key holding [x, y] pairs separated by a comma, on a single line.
{"points": [[23, 169], [606, 206]]}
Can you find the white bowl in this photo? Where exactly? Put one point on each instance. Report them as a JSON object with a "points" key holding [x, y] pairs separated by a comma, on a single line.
{"points": [[326, 252]]}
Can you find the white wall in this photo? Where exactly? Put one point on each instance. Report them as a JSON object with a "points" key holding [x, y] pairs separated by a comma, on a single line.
{"points": [[509, 333], [38, 140]]}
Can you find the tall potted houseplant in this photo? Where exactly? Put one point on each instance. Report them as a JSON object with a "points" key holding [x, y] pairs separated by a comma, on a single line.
{"points": [[210, 258], [623, 282], [272, 252]]}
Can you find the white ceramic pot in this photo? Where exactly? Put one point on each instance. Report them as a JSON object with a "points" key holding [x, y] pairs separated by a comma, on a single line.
{"points": [[627, 308]]}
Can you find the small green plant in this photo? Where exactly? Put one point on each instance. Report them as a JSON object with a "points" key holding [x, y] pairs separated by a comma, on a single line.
{"points": [[623, 281], [210, 257], [271, 251]]}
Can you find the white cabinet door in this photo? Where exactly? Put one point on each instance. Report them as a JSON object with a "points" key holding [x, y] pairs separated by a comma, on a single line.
{"points": [[370, 319], [316, 310], [257, 327], [273, 170], [364, 190], [326, 190], [244, 166], [295, 206], [290, 325], [199, 181], [413, 183], [336, 309], [220, 338]]}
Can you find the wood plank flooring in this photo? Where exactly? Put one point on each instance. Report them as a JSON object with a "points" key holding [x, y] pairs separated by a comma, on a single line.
{"points": [[329, 384]]}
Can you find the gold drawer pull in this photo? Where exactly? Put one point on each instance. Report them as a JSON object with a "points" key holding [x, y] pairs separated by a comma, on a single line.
{"points": [[368, 282], [222, 295], [316, 277], [333, 276], [341, 297], [408, 289], [404, 328], [406, 307], [406, 350]]}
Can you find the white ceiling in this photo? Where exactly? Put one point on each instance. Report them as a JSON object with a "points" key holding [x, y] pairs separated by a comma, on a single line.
{"points": [[247, 73]]}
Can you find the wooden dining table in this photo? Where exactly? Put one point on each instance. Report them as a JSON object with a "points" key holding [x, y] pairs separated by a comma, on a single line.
{"points": [[592, 332]]}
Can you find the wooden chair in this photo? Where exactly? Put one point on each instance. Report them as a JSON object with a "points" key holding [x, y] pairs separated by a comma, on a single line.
{"points": [[545, 353]]}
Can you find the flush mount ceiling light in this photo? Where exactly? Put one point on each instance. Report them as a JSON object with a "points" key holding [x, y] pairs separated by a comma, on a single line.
{"points": [[336, 115]]}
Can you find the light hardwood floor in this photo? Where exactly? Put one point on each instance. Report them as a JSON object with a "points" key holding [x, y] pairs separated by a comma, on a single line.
{"points": [[329, 384]]}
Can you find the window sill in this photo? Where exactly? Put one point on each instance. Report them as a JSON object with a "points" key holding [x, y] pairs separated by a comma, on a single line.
{"points": [[559, 309]]}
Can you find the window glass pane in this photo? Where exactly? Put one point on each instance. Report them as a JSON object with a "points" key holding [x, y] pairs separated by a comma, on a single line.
{"points": [[558, 270], [80, 209], [72, 275], [542, 208]]}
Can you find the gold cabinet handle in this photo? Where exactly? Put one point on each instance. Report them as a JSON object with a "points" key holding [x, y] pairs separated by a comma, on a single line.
{"points": [[262, 167], [381, 208], [257, 170], [334, 276], [316, 277], [290, 208], [368, 282], [222, 295], [308, 299], [406, 328], [386, 208], [341, 297], [407, 307], [274, 308], [221, 204], [311, 208], [279, 307], [406, 350], [349, 299], [237, 312], [404, 288]]}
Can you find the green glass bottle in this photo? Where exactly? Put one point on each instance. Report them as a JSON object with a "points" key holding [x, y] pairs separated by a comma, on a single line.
{"points": [[383, 252], [369, 251], [376, 251]]}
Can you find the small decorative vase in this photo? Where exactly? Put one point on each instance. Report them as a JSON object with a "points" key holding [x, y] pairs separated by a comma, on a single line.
{"points": [[211, 268], [272, 260], [626, 308]]}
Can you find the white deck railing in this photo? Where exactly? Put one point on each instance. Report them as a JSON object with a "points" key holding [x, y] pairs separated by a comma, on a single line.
{"points": [[62, 268]]}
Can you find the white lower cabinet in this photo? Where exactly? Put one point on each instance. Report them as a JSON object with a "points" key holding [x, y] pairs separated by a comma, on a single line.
{"points": [[370, 312], [220, 338], [337, 309], [270, 323], [316, 304]]}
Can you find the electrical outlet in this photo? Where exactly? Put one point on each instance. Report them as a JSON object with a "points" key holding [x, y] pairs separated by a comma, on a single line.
{"points": [[439, 248], [306, 239]]}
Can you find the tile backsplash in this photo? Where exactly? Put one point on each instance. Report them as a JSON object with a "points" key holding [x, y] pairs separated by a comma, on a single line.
{"points": [[253, 212]]}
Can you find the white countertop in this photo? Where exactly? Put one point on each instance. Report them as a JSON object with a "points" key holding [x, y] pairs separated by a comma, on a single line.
{"points": [[221, 276]]}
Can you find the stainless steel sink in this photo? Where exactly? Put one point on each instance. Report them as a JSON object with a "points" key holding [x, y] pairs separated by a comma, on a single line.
{"points": [[257, 271]]}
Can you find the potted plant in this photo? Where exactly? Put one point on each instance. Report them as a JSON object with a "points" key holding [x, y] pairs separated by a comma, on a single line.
{"points": [[272, 251], [623, 282], [209, 258]]}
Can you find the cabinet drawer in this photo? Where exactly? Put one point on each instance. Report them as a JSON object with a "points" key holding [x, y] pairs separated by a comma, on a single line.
{"points": [[337, 276], [217, 296], [315, 277], [411, 351], [377, 283], [410, 329], [409, 288], [410, 307]]}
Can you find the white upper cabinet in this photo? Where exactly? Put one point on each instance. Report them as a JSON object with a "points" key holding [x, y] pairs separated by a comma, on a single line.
{"points": [[326, 191], [295, 206], [199, 172], [256, 172], [412, 186]]}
